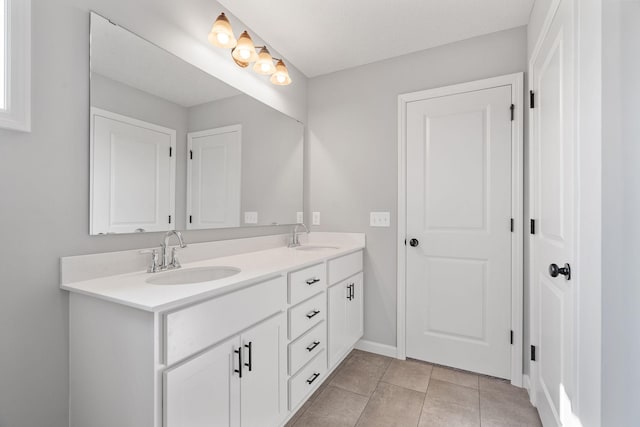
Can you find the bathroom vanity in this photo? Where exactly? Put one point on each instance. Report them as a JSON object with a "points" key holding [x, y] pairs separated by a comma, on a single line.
{"points": [[247, 349]]}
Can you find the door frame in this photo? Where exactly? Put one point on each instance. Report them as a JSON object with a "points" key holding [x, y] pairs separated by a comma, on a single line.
{"points": [[516, 81]]}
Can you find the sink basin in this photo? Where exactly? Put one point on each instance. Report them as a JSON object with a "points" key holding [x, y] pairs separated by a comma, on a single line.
{"points": [[315, 248], [189, 276]]}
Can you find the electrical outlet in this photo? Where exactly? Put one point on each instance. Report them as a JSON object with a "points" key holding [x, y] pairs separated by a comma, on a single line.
{"points": [[316, 218], [251, 217], [299, 217], [380, 219]]}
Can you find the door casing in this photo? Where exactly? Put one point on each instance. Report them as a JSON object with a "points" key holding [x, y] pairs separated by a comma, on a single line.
{"points": [[516, 81]]}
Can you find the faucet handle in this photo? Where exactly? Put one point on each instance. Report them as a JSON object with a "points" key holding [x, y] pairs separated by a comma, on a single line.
{"points": [[175, 263], [155, 260]]}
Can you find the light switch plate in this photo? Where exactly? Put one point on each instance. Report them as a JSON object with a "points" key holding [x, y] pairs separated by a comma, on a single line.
{"points": [[251, 217], [380, 219], [299, 217], [316, 218]]}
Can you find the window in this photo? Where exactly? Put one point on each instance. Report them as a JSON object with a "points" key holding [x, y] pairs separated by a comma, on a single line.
{"points": [[15, 64]]}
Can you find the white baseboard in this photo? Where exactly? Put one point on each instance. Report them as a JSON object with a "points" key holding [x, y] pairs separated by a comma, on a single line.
{"points": [[526, 383], [377, 348]]}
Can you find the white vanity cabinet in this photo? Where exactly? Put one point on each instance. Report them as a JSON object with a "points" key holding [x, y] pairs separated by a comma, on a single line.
{"points": [[237, 383], [346, 323]]}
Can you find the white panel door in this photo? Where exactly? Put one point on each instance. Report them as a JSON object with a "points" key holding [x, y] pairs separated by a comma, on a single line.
{"points": [[263, 385], [338, 318], [214, 175], [459, 211], [552, 187], [355, 320], [132, 175], [204, 391]]}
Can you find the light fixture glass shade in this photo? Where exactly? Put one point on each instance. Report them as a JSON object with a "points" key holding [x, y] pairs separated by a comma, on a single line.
{"points": [[221, 34], [264, 64], [281, 75], [239, 63], [245, 51]]}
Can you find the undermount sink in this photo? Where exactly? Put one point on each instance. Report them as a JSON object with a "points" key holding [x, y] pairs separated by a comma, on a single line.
{"points": [[315, 248], [188, 276]]}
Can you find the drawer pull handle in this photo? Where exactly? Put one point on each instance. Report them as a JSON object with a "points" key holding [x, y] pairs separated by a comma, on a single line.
{"points": [[312, 314], [239, 370], [313, 378], [350, 291], [314, 345], [312, 281], [250, 348]]}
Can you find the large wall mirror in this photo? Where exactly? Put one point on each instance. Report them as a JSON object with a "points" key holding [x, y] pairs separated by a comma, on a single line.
{"points": [[172, 147]]}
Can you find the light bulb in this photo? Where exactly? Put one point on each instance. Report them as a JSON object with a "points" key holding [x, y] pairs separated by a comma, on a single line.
{"points": [[265, 67], [281, 78], [245, 54], [222, 38]]}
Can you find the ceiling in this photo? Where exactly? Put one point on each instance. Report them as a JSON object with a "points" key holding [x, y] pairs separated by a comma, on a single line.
{"points": [[321, 37], [126, 58]]}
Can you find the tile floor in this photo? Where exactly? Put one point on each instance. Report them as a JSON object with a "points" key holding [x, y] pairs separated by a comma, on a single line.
{"points": [[371, 390]]}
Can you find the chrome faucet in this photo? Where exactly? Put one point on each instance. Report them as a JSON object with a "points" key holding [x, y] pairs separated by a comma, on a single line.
{"points": [[171, 262], [295, 241]]}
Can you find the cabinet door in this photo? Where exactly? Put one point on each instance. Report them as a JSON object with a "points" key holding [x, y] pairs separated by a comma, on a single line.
{"points": [[263, 385], [204, 391], [355, 321], [338, 295]]}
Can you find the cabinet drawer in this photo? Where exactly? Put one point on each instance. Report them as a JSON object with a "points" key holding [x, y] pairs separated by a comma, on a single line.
{"points": [[305, 381], [192, 329], [307, 282], [305, 315], [343, 267], [304, 348]]}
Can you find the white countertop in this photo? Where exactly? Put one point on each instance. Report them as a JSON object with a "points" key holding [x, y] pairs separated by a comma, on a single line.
{"points": [[132, 290]]}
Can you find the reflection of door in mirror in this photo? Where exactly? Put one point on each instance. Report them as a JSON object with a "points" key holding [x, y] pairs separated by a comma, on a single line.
{"points": [[132, 175], [213, 178]]}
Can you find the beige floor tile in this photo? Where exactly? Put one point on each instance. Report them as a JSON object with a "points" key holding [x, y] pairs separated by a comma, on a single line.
{"points": [[408, 374], [439, 413], [500, 385], [449, 392], [499, 409], [298, 414], [390, 406], [334, 407], [454, 376], [361, 373]]}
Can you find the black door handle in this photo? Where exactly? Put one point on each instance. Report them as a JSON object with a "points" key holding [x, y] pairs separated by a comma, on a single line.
{"points": [[312, 314], [250, 348], [239, 370], [313, 378], [414, 242], [314, 345], [554, 271]]}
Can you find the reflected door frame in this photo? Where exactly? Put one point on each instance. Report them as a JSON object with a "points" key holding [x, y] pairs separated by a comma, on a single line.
{"points": [[516, 81]]}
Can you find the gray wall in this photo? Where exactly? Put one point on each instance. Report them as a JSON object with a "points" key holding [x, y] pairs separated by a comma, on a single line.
{"points": [[352, 130], [44, 190], [621, 211], [272, 149]]}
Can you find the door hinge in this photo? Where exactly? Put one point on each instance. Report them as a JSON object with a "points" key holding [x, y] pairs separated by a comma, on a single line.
{"points": [[511, 335], [532, 226], [532, 99], [512, 224], [170, 151], [169, 219], [513, 110], [190, 154], [533, 353], [190, 219]]}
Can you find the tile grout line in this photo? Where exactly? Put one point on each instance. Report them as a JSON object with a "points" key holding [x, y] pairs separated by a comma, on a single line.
{"points": [[374, 390], [425, 398]]}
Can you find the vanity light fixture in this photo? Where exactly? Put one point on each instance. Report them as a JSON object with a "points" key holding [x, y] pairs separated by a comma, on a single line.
{"points": [[244, 52]]}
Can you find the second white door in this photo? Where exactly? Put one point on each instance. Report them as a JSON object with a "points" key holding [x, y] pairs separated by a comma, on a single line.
{"points": [[459, 204]]}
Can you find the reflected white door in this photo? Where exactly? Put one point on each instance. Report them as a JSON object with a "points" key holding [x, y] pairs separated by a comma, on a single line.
{"points": [[459, 211], [214, 174], [132, 175], [552, 168]]}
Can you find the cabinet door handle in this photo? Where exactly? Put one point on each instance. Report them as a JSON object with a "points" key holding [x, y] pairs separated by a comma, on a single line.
{"points": [[314, 345], [312, 314], [313, 378], [312, 281], [239, 370], [353, 290], [349, 292], [250, 348]]}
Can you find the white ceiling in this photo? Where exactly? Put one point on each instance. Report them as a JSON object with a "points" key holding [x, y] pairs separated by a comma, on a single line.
{"points": [[126, 58], [320, 37]]}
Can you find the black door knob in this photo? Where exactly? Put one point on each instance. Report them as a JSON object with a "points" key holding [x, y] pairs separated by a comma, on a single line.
{"points": [[414, 242], [554, 271]]}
